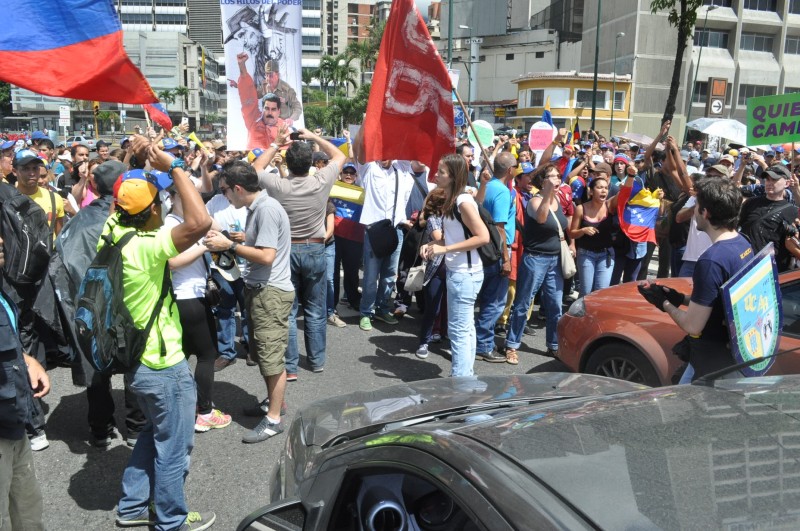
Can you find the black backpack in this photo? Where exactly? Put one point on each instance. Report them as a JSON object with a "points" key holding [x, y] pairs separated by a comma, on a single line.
{"points": [[105, 331], [27, 237], [489, 252]]}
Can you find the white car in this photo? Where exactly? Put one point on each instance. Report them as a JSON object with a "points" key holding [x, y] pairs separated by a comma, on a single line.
{"points": [[82, 140]]}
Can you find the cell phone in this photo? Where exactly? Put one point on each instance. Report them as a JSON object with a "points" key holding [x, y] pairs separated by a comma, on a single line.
{"points": [[294, 136], [185, 120]]}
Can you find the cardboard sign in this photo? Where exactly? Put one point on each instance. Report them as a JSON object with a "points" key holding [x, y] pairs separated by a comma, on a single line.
{"points": [[773, 119]]}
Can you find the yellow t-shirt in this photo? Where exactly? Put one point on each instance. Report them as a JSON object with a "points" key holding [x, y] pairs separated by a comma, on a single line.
{"points": [[144, 258], [42, 198]]}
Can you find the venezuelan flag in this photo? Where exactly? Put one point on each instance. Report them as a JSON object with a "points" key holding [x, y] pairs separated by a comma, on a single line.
{"points": [[547, 116], [348, 200], [576, 133], [342, 144], [69, 48], [158, 113], [637, 208]]}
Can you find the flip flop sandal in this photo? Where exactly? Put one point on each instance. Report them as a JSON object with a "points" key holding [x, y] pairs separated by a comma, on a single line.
{"points": [[511, 356]]}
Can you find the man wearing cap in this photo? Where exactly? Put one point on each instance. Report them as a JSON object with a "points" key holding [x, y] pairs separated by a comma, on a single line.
{"points": [[26, 168], [291, 108], [305, 199], [319, 160], [262, 125], [771, 218], [162, 381], [77, 246]]}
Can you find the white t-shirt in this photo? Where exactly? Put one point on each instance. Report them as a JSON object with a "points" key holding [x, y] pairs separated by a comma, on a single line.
{"points": [[189, 281], [228, 217], [379, 195], [454, 233], [698, 241]]}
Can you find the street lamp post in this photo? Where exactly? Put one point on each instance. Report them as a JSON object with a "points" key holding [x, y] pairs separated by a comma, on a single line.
{"points": [[469, 70], [703, 42], [614, 84], [596, 62], [450, 34]]}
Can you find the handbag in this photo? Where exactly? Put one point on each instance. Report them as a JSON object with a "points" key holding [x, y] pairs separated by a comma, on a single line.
{"points": [[415, 280], [383, 234], [568, 268], [212, 296]]}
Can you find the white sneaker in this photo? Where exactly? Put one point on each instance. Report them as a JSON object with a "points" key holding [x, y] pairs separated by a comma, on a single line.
{"points": [[336, 321], [39, 442], [422, 351], [573, 296]]}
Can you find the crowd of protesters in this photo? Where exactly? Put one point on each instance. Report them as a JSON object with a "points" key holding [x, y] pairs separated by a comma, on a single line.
{"points": [[265, 231]]}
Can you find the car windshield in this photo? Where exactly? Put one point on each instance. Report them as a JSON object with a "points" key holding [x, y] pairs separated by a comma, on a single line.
{"points": [[670, 458]]}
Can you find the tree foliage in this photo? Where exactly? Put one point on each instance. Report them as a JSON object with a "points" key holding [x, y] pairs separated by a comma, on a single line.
{"points": [[682, 14], [5, 98]]}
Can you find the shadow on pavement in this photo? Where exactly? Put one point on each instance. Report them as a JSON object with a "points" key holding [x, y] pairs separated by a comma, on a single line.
{"points": [[395, 358], [549, 366]]}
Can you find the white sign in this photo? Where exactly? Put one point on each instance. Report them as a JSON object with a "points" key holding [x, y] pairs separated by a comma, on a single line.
{"points": [[63, 112], [478, 40], [123, 114], [63, 122]]}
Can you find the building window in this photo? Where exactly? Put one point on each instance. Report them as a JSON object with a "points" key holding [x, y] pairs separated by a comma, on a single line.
{"points": [[759, 5], [754, 91], [619, 100], [312, 40], [792, 46], [312, 4], [791, 90], [311, 22], [509, 57], [794, 7], [136, 18], [536, 98], [540, 55], [720, 3], [711, 38], [756, 42], [583, 99], [700, 92]]}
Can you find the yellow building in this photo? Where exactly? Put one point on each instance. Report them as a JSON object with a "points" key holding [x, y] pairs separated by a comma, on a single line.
{"points": [[570, 95]]}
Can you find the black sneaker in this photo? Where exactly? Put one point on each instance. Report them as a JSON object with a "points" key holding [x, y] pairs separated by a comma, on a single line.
{"points": [[260, 409], [262, 432], [145, 518], [198, 521], [103, 440], [529, 330], [500, 331], [492, 357]]}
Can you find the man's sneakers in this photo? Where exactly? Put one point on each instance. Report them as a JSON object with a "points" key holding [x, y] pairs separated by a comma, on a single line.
{"points": [[39, 442], [422, 351], [386, 318], [260, 409], [198, 521], [145, 518], [103, 441], [214, 420], [222, 362], [335, 320], [365, 323], [263, 431]]}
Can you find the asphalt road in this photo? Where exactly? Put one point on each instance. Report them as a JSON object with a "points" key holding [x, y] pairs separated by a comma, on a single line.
{"points": [[81, 483]]}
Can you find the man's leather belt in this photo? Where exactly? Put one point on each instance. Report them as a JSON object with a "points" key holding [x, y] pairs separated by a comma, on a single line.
{"points": [[309, 240]]}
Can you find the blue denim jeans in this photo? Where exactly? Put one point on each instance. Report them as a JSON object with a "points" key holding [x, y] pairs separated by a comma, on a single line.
{"points": [[595, 269], [308, 278], [462, 292], [537, 271], [433, 291], [348, 254], [330, 261], [231, 294], [675, 260], [491, 301], [159, 463], [380, 275]]}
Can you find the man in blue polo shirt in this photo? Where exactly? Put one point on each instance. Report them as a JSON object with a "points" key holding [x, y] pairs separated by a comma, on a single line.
{"points": [[492, 297]]}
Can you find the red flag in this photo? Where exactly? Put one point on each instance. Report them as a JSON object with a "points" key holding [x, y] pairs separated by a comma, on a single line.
{"points": [[410, 108], [159, 115]]}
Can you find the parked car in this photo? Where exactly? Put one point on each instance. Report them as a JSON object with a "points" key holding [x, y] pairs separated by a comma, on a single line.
{"points": [[615, 332], [548, 451], [82, 140]]}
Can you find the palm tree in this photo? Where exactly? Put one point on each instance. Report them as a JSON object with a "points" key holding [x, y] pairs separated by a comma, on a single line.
{"points": [[344, 73], [167, 96], [325, 72], [107, 117], [183, 94]]}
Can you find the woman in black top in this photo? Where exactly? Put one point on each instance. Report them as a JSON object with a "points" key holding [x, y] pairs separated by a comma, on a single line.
{"points": [[592, 229], [541, 264]]}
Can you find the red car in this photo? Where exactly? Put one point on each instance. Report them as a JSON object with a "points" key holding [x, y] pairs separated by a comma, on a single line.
{"points": [[615, 332]]}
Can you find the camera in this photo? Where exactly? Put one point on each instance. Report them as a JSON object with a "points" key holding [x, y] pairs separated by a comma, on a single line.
{"points": [[65, 191], [294, 136], [791, 229]]}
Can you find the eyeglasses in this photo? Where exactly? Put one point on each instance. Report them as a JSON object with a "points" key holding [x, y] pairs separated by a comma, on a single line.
{"points": [[349, 173], [224, 190]]}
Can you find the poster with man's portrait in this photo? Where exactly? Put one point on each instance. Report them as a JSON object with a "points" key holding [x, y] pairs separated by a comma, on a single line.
{"points": [[263, 50]]}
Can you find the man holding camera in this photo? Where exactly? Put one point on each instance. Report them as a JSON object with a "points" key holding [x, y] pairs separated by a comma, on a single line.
{"points": [[771, 218]]}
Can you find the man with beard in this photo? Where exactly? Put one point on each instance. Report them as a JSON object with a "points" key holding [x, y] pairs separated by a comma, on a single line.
{"points": [[262, 126], [291, 108]]}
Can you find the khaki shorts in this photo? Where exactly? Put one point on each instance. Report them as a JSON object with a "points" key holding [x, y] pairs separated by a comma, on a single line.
{"points": [[268, 311]]}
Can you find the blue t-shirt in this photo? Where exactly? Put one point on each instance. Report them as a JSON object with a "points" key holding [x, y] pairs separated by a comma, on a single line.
{"points": [[500, 206], [714, 267]]}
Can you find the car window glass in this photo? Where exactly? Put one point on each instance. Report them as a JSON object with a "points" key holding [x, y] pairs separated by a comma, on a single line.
{"points": [[790, 301], [396, 499]]}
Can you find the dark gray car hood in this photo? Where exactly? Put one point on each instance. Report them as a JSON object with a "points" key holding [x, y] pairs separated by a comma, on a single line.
{"points": [[327, 419], [669, 458]]}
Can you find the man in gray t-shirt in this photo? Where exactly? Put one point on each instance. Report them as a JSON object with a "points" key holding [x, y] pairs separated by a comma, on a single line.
{"points": [[269, 292], [305, 198]]}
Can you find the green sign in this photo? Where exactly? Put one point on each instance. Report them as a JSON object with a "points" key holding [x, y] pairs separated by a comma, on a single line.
{"points": [[773, 119]]}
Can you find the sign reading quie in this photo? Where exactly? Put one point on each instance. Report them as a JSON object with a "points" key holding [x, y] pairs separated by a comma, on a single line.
{"points": [[773, 119]]}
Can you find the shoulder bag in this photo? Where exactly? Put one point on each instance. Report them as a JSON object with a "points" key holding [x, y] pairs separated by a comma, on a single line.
{"points": [[568, 268]]}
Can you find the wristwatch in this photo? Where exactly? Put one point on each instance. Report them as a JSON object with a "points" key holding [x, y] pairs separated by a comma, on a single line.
{"points": [[177, 163], [233, 247]]}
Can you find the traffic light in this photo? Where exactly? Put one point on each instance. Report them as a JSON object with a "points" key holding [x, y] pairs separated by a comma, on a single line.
{"points": [[96, 107]]}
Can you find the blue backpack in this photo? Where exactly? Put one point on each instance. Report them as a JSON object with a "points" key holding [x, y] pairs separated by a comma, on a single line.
{"points": [[105, 331]]}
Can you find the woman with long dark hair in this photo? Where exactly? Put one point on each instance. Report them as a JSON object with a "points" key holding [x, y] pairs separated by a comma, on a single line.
{"points": [[430, 219], [464, 232], [593, 230]]}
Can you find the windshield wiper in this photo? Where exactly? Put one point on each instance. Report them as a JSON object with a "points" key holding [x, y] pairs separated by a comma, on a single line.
{"points": [[709, 378]]}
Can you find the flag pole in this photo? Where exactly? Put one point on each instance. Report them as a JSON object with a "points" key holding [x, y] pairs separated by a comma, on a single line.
{"points": [[147, 118], [471, 126]]}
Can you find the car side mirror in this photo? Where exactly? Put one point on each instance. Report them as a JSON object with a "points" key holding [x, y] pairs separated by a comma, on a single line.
{"points": [[285, 515]]}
